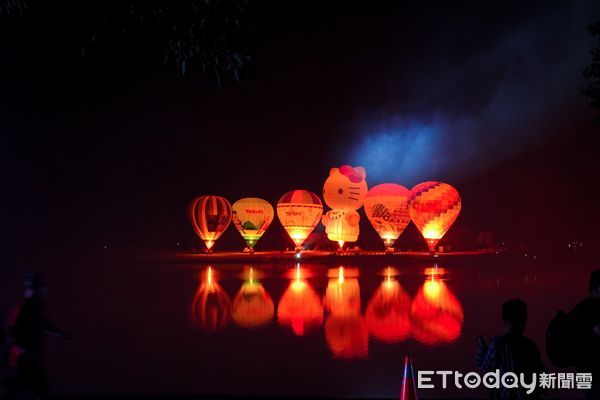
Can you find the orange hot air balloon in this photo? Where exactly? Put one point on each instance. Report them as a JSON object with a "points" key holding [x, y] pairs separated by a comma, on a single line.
{"points": [[436, 314], [433, 207], [386, 206], [299, 211], [252, 305], [211, 307], [300, 307], [388, 312], [210, 216], [252, 217]]}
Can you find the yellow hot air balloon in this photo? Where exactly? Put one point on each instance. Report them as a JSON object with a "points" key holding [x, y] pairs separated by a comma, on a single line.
{"points": [[252, 217], [344, 191], [386, 206], [299, 211], [252, 305], [433, 207], [210, 216]]}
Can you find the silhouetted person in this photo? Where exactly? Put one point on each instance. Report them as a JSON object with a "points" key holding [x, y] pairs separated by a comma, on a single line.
{"points": [[26, 330], [586, 326], [511, 352]]}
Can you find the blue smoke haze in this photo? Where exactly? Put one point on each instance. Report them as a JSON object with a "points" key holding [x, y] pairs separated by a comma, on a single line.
{"points": [[529, 78]]}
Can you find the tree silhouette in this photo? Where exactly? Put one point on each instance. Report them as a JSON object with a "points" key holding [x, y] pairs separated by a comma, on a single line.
{"points": [[591, 88]]}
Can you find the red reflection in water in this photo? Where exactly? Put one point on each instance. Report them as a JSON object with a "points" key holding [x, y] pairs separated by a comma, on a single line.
{"points": [[345, 329], [211, 307], [436, 313], [300, 306], [252, 305], [388, 312]]}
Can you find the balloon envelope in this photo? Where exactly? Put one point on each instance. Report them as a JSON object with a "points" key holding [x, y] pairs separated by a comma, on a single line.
{"points": [[252, 217], [299, 211], [386, 206], [210, 216], [433, 207]]}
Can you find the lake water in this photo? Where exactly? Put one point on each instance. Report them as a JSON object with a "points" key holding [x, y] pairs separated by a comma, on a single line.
{"points": [[337, 329]]}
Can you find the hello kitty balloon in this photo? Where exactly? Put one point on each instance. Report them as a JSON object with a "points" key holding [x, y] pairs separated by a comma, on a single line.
{"points": [[344, 191]]}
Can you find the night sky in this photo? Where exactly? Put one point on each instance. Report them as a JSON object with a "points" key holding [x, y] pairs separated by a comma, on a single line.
{"points": [[108, 149]]}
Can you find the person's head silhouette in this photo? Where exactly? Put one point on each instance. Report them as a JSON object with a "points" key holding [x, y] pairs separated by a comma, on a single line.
{"points": [[514, 314], [34, 285], [595, 283]]}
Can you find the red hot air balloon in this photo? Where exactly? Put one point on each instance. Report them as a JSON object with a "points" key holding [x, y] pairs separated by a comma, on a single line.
{"points": [[433, 207], [210, 216]]}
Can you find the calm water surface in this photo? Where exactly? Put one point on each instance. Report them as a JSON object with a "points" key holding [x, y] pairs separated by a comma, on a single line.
{"points": [[303, 329]]}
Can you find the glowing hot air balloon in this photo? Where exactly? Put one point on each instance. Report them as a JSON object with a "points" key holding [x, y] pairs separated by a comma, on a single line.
{"points": [[299, 212], [437, 315], [344, 191], [210, 216], [211, 308], [252, 217], [386, 206], [433, 207], [300, 307], [388, 312], [252, 305]]}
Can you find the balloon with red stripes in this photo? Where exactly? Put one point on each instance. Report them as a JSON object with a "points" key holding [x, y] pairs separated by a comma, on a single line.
{"points": [[210, 216]]}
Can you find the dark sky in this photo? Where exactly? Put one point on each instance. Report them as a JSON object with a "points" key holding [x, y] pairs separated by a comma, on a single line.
{"points": [[110, 148]]}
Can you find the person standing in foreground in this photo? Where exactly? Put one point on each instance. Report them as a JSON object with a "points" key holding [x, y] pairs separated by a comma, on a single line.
{"points": [[511, 352], [26, 330], [585, 318]]}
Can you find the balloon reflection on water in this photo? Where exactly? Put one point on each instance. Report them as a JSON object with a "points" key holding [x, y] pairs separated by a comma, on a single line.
{"points": [[388, 311], [252, 305], [211, 307], [433, 317], [345, 329], [300, 306], [436, 313]]}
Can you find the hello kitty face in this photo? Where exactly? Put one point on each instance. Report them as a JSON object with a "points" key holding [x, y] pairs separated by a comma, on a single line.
{"points": [[345, 188]]}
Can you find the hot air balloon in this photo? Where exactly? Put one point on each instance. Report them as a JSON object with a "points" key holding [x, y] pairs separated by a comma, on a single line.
{"points": [[386, 206], [300, 307], [437, 315], [211, 307], [388, 312], [433, 207], [252, 217], [345, 329], [252, 305], [344, 191], [210, 216], [299, 212]]}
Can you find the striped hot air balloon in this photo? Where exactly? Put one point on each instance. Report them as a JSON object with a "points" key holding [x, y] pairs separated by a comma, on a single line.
{"points": [[299, 211], [433, 207], [210, 216]]}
